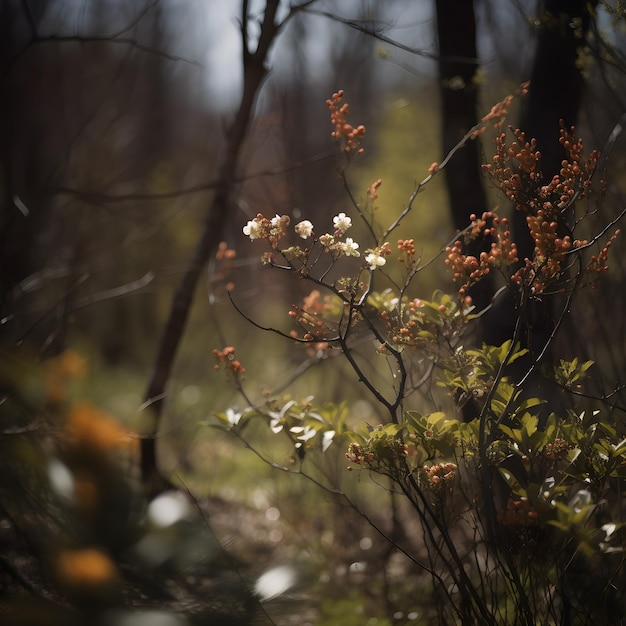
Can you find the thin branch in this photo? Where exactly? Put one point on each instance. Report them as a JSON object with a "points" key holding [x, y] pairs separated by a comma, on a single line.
{"points": [[366, 28], [187, 191], [113, 293], [115, 38], [125, 41]]}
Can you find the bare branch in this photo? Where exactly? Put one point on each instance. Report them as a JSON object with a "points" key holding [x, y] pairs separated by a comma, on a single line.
{"points": [[366, 28], [96, 196], [126, 41]]}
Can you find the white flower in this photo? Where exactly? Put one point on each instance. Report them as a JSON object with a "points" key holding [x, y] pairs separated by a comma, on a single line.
{"points": [[233, 416], [277, 420], [327, 240], [327, 439], [305, 432], [350, 247], [304, 229], [375, 260], [342, 222], [253, 229], [275, 221]]}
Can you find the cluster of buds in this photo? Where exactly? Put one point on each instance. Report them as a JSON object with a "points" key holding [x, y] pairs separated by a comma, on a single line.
{"points": [[404, 327], [499, 111], [439, 478], [313, 317], [468, 269], [518, 513], [598, 261], [225, 257], [227, 357], [384, 454], [517, 168], [359, 456], [556, 450], [372, 190], [549, 253], [347, 135], [406, 247]]}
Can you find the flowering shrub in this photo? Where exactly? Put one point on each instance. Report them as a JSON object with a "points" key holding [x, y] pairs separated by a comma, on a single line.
{"points": [[521, 482]]}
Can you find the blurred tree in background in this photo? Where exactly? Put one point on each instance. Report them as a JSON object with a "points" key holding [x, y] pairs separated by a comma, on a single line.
{"points": [[136, 138]]}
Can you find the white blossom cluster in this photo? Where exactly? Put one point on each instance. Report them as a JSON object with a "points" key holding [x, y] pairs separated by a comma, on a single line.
{"points": [[332, 242]]}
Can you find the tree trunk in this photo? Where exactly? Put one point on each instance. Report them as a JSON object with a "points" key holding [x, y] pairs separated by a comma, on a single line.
{"points": [[458, 64]]}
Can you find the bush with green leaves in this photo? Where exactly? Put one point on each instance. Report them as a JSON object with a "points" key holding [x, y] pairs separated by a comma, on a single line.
{"points": [[515, 485]]}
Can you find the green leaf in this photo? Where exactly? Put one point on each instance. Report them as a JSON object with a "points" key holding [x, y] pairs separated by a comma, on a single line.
{"points": [[513, 483]]}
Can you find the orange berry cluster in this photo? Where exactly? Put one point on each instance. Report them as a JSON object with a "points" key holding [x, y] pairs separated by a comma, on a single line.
{"points": [[224, 253], [468, 269], [500, 111], [550, 251], [227, 357], [516, 167], [372, 190], [518, 513], [441, 472], [348, 136], [407, 248], [598, 261], [310, 316], [438, 479], [403, 329], [225, 256]]}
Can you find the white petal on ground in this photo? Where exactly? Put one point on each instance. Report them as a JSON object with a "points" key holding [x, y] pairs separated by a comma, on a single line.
{"points": [[168, 508], [275, 582]]}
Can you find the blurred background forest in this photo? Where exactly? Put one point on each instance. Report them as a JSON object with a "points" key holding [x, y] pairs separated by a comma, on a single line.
{"points": [[114, 122]]}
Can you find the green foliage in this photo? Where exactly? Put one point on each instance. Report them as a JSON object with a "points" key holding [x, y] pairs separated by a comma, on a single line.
{"points": [[348, 611], [511, 496]]}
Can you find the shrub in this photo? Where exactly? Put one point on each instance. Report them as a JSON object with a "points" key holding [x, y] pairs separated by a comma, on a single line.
{"points": [[518, 505]]}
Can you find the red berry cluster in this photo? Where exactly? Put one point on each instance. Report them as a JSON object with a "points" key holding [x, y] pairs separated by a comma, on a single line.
{"points": [[347, 135], [518, 513], [227, 357], [556, 450]]}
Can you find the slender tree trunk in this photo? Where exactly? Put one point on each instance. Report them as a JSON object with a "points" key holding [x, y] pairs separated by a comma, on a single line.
{"points": [[456, 31], [218, 212], [556, 89]]}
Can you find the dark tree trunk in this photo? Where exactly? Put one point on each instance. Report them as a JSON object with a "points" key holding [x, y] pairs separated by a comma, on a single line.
{"points": [[556, 89], [456, 31]]}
